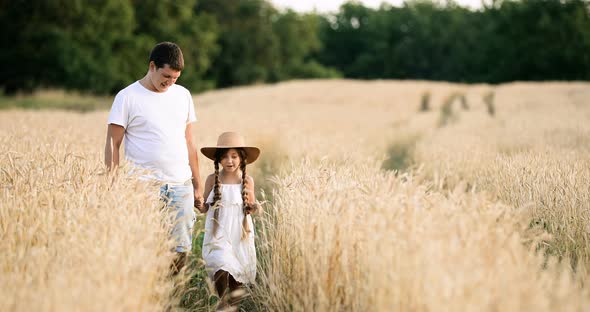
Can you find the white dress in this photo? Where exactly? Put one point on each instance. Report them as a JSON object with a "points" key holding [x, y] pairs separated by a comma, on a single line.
{"points": [[226, 250]]}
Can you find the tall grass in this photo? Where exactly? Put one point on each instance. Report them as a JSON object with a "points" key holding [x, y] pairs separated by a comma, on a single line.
{"points": [[72, 238], [400, 153], [447, 113], [425, 102], [535, 158], [482, 214], [56, 99], [355, 238], [488, 99]]}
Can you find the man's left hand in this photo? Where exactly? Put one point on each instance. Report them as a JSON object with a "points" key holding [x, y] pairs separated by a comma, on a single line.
{"points": [[199, 200]]}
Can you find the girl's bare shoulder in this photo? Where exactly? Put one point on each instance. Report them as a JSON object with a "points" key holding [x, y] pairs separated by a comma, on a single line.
{"points": [[210, 179]]}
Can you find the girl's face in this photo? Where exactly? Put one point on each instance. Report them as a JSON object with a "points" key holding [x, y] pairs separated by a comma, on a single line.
{"points": [[230, 162]]}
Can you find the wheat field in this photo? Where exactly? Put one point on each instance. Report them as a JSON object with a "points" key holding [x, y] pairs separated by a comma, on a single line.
{"points": [[374, 202]]}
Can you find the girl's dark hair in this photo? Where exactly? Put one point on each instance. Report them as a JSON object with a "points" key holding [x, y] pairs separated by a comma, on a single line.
{"points": [[167, 53], [219, 153]]}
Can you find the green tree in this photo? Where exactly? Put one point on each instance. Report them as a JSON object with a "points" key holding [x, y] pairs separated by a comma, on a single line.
{"points": [[102, 46], [348, 42], [98, 46], [248, 46], [63, 44], [298, 41], [509, 40], [538, 40]]}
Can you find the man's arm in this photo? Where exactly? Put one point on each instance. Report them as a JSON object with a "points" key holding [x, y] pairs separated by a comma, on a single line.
{"points": [[208, 187], [193, 161], [115, 134]]}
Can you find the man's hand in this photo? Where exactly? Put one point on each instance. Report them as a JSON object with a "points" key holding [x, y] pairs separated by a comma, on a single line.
{"points": [[199, 202]]}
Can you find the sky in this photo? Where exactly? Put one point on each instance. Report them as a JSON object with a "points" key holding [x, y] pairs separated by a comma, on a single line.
{"points": [[324, 6]]}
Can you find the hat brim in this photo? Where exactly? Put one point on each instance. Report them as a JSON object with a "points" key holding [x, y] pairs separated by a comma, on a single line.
{"points": [[252, 152]]}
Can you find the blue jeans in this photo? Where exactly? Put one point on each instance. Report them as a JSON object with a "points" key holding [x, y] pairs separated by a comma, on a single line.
{"points": [[179, 199]]}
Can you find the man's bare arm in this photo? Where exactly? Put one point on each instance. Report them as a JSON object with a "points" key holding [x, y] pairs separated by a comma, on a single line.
{"points": [[115, 134], [208, 187], [193, 161]]}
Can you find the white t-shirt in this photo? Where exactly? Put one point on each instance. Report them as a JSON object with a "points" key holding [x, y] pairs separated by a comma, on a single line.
{"points": [[155, 125]]}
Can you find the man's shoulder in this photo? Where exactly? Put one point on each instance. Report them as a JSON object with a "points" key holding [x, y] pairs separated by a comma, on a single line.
{"points": [[129, 90], [180, 89]]}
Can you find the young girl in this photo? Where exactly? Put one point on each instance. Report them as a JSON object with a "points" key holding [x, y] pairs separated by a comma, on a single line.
{"points": [[228, 246]]}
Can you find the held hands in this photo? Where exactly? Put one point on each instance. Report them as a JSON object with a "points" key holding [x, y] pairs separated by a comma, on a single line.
{"points": [[200, 203]]}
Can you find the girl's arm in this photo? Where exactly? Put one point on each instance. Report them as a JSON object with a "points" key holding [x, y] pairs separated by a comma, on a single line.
{"points": [[251, 204], [208, 187]]}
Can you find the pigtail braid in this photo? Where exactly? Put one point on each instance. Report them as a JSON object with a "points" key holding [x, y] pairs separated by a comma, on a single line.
{"points": [[245, 226], [216, 198]]}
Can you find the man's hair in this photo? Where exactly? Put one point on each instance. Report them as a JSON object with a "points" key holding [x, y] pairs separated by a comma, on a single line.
{"points": [[167, 53]]}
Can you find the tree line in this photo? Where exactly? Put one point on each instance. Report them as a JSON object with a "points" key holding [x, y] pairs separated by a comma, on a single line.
{"points": [[102, 46]]}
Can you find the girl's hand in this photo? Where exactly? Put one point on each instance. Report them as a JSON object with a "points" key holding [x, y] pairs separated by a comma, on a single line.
{"points": [[251, 208], [202, 207], [251, 204]]}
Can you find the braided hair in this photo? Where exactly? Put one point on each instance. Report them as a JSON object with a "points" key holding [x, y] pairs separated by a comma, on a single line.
{"points": [[245, 225], [216, 194]]}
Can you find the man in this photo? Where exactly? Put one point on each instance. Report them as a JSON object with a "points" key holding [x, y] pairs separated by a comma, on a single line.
{"points": [[154, 115]]}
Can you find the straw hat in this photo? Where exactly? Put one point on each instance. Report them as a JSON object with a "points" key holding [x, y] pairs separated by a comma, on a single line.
{"points": [[232, 140]]}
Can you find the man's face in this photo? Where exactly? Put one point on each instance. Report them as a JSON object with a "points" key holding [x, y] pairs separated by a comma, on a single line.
{"points": [[162, 78]]}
